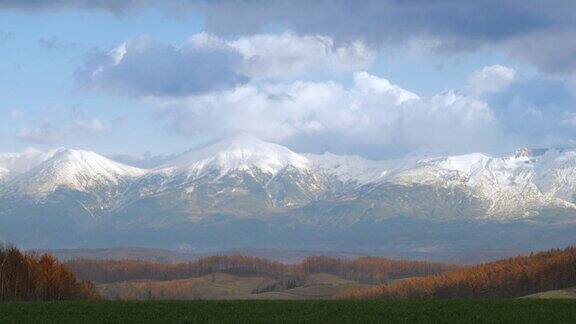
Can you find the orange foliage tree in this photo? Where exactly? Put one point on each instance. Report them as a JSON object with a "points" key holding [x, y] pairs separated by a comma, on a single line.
{"points": [[513, 277], [38, 277]]}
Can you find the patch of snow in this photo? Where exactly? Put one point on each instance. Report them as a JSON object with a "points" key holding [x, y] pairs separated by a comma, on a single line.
{"points": [[4, 174]]}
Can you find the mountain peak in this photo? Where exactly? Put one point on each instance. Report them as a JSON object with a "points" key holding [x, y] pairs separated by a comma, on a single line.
{"points": [[238, 153], [73, 169]]}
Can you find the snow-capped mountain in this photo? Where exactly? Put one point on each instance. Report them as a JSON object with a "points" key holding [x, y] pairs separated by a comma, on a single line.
{"points": [[517, 185], [248, 175], [244, 178], [242, 174], [73, 170]]}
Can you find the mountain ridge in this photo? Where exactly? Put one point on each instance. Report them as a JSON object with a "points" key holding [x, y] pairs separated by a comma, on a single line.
{"points": [[245, 185]]}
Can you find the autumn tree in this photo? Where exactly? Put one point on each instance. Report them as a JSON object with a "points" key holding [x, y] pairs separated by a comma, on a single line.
{"points": [[30, 276]]}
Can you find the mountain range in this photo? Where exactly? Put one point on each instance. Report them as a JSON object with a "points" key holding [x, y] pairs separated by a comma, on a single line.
{"points": [[244, 192]]}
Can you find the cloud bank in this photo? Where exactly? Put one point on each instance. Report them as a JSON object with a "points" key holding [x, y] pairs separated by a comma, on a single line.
{"points": [[376, 115]]}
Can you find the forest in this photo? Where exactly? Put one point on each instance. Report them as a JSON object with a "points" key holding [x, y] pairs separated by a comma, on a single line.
{"points": [[29, 276], [513, 277], [32, 277], [366, 270]]}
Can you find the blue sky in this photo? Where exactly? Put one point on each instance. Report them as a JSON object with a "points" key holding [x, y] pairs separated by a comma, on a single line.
{"points": [[39, 58], [378, 79]]}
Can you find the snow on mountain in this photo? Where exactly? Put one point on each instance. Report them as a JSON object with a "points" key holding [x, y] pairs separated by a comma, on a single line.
{"points": [[4, 173], [237, 154], [349, 168], [517, 184], [74, 170], [555, 174], [244, 170]]}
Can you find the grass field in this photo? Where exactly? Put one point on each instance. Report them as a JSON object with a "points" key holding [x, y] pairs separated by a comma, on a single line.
{"points": [[224, 286], [308, 311]]}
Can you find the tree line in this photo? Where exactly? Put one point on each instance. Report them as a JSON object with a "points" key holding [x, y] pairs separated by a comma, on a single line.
{"points": [[513, 277], [32, 276], [367, 269]]}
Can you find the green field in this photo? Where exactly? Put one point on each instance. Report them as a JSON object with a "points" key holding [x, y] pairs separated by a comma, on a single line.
{"points": [[309, 311]]}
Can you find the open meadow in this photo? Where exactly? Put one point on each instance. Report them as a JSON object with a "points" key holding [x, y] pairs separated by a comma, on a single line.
{"points": [[308, 311]]}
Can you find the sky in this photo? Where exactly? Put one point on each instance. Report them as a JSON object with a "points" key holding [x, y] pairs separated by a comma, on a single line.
{"points": [[375, 78]]}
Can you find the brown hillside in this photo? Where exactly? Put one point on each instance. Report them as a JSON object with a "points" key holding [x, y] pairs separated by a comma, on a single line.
{"points": [[514, 277]]}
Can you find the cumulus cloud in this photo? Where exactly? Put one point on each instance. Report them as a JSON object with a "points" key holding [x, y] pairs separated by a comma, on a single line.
{"points": [[144, 67], [493, 78], [288, 54], [373, 113]]}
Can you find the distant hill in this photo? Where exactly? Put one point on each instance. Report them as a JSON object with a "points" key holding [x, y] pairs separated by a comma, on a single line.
{"points": [[509, 278], [123, 253], [281, 255]]}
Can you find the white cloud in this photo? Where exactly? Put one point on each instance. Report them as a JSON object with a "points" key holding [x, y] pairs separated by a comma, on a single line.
{"points": [[287, 54], [493, 78], [373, 113], [365, 83]]}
